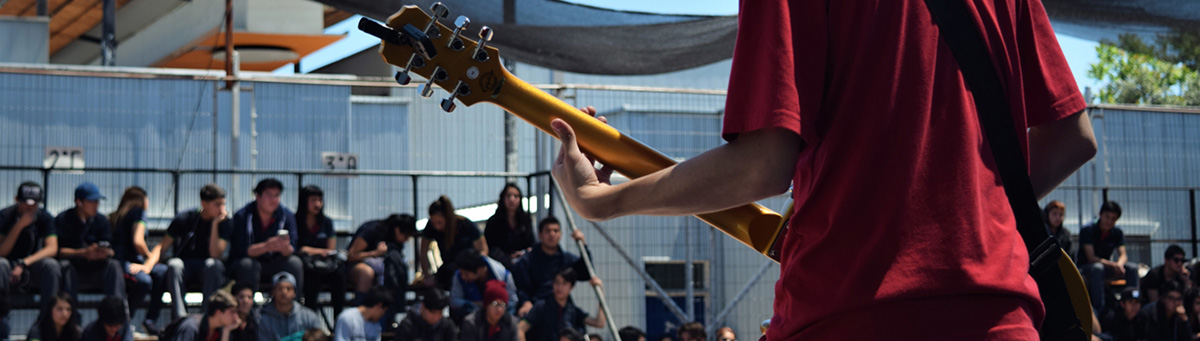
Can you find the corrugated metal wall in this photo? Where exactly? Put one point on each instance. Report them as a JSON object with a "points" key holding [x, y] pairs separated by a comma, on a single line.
{"points": [[146, 123]]}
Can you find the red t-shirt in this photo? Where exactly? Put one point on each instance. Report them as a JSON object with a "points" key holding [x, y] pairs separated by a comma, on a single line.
{"points": [[898, 205]]}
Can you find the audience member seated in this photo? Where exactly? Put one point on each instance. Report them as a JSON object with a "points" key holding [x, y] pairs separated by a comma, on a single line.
{"points": [[492, 323], [363, 322], [1191, 305], [509, 232], [84, 246], [318, 246], [112, 321], [376, 257], [1053, 214], [453, 234], [195, 238], [631, 333], [570, 334], [143, 273], [219, 319], [426, 322], [23, 264], [1125, 323], [1171, 270], [726, 334], [692, 331], [1097, 244], [548, 317], [535, 271], [284, 317], [474, 271], [1164, 319], [263, 238], [248, 313], [58, 323]]}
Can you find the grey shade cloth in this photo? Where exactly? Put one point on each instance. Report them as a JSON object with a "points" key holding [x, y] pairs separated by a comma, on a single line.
{"points": [[582, 39]]}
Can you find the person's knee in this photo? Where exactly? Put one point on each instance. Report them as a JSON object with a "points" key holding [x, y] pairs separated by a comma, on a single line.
{"points": [[214, 264], [175, 264]]}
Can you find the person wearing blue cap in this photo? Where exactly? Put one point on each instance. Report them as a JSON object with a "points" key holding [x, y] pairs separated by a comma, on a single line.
{"points": [[24, 226], [84, 247]]}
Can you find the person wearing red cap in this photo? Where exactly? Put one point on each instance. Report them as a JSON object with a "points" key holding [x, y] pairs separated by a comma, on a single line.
{"points": [[492, 323]]}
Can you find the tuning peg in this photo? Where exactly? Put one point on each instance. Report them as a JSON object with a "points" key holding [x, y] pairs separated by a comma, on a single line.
{"points": [[485, 35], [460, 25], [438, 11], [459, 89], [402, 76], [437, 75]]}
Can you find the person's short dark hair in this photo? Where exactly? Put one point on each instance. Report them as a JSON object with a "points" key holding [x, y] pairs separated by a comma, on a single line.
{"points": [[219, 301], [435, 301], [570, 334], [238, 287], [1111, 206], [268, 183], [469, 260], [568, 274], [547, 221], [630, 333], [406, 223], [1172, 251], [376, 296], [211, 192], [693, 329], [1170, 286], [315, 335], [112, 311]]}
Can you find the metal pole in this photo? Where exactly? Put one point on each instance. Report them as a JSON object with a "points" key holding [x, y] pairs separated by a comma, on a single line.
{"points": [[587, 260], [46, 186], [662, 294], [1192, 208], [416, 239], [712, 325], [108, 36], [41, 8], [175, 184], [229, 83], [216, 124], [688, 273]]}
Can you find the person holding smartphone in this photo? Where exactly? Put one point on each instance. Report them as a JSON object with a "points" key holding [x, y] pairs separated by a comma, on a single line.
{"points": [[84, 249], [263, 238]]}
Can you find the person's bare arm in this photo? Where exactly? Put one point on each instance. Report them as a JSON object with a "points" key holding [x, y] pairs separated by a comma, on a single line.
{"points": [[1122, 257], [10, 239], [216, 245], [163, 245], [423, 256], [1057, 149], [356, 253], [49, 249], [756, 165], [597, 321]]}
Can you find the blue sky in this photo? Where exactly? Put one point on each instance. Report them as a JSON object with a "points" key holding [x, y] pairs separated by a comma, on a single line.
{"points": [[1079, 52]]}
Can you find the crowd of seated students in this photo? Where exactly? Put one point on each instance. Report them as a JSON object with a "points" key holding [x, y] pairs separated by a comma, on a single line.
{"points": [[510, 281]]}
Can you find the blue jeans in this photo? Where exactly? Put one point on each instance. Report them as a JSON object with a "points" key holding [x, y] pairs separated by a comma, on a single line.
{"points": [[142, 284], [1095, 274]]}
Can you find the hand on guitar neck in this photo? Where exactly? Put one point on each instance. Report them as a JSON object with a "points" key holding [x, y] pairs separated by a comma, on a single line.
{"points": [[471, 73]]}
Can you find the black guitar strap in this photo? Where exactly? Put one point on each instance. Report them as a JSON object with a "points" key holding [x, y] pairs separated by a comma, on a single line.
{"points": [[958, 29]]}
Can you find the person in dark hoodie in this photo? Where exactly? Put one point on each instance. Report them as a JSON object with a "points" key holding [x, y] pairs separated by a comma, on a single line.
{"points": [[263, 238], [491, 323], [1124, 323], [284, 317], [534, 272], [1165, 319], [112, 323], [426, 322]]}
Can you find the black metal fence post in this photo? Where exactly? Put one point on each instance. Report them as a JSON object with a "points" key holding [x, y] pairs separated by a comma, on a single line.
{"points": [[175, 182], [1192, 208]]}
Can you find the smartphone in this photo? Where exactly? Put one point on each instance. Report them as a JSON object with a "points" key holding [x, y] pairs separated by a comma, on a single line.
{"points": [[103, 244], [283, 232]]}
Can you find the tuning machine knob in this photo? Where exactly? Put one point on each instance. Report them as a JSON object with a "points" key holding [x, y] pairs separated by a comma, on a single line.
{"points": [[460, 25], [485, 35], [459, 89], [437, 76], [438, 11]]}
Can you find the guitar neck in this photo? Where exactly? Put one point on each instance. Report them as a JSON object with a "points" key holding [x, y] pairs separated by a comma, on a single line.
{"points": [[752, 224]]}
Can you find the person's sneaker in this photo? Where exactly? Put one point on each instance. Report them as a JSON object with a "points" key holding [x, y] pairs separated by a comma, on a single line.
{"points": [[151, 328]]}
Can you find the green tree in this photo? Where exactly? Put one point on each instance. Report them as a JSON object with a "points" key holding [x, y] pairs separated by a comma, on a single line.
{"points": [[1136, 72]]}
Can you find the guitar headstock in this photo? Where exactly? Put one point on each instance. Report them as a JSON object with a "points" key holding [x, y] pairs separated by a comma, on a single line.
{"points": [[415, 41]]}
